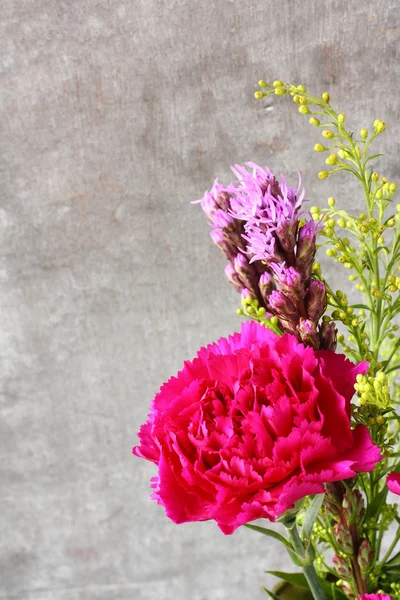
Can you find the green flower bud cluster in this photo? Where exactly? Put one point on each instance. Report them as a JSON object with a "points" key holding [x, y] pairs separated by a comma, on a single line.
{"points": [[388, 515], [373, 391]]}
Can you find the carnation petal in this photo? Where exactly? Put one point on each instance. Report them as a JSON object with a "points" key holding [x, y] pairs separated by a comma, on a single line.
{"points": [[393, 483]]}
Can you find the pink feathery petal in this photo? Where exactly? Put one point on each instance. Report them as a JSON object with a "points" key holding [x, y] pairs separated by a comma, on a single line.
{"points": [[393, 483]]}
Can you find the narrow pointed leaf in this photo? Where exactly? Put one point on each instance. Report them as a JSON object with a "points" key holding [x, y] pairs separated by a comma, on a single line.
{"points": [[269, 533], [271, 594], [311, 516]]}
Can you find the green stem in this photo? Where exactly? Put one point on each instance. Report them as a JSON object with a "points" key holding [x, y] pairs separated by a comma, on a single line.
{"points": [[308, 569], [391, 548]]}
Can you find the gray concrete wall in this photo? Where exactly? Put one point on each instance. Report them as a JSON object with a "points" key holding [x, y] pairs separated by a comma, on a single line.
{"points": [[114, 115]]}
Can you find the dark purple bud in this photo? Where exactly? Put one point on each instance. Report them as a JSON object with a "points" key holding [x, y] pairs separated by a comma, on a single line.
{"points": [[335, 492], [282, 306], [365, 556], [327, 336], [288, 278], [286, 232], [223, 200], [245, 271], [224, 244], [316, 300], [343, 538], [342, 567], [306, 247], [233, 277], [308, 332], [266, 285]]}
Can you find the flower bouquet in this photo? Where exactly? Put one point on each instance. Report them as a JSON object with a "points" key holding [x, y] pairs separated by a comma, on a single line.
{"points": [[274, 423]]}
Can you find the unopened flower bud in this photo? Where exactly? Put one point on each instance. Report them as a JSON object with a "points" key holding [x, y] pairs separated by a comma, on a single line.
{"points": [[220, 239], [364, 134], [308, 332], [326, 97], [233, 277], [282, 306], [343, 538], [314, 121], [365, 556], [266, 285], [341, 118], [245, 271], [263, 83], [304, 110], [328, 134], [316, 300], [323, 174], [327, 336], [342, 567], [319, 148], [258, 95]]}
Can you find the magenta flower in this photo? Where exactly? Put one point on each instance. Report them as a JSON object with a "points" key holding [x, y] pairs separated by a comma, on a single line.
{"points": [[374, 597], [393, 483], [254, 423]]}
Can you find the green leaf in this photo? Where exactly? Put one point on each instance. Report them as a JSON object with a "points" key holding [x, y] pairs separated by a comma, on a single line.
{"points": [[270, 533], [310, 517], [372, 157], [329, 589], [374, 508], [394, 562], [271, 594], [364, 306]]}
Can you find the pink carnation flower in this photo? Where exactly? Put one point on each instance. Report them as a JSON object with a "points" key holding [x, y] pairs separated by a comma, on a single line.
{"points": [[393, 483], [375, 597], [252, 425]]}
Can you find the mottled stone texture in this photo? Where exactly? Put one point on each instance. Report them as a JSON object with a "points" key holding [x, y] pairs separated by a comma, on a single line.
{"points": [[115, 114]]}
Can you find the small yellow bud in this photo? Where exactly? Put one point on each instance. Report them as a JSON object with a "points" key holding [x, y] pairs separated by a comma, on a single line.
{"points": [[314, 209], [380, 419], [341, 118], [303, 100], [381, 241], [364, 134], [331, 201], [342, 259], [314, 121], [319, 148], [332, 160], [331, 252], [379, 126], [328, 134], [341, 222], [392, 288], [277, 83], [391, 223], [301, 89], [340, 338], [331, 223], [258, 95], [323, 174], [355, 322], [328, 232], [343, 153], [325, 97], [280, 91], [379, 194], [274, 320], [296, 99], [393, 188], [304, 110], [263, 83]]}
